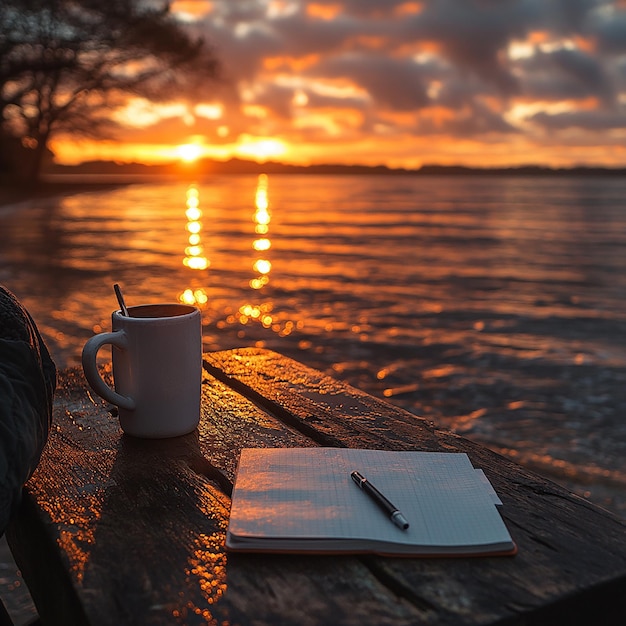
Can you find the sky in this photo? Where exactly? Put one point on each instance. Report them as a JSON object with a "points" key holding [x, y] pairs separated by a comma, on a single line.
{"points": [[392, 82]]}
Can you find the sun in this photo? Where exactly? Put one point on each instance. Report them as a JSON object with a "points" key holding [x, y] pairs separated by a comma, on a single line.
{"points": [[189, 152], [261, 148]]}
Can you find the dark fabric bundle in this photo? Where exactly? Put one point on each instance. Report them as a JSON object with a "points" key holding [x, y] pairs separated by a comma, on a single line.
{"points": [[27, 383]]}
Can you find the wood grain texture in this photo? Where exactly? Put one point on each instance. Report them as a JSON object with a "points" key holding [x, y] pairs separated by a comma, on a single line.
{"points": [[117, 530]]}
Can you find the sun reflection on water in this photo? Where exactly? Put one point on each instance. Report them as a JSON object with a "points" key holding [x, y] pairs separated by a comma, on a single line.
{"points": [[258, 307], [261, 265], [195, 258]]}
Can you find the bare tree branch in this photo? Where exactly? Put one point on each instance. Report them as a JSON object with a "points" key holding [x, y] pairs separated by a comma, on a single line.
{"points": [[62, 62]]}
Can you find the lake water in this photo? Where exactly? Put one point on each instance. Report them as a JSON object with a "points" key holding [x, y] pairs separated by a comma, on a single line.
{"points": [[493, 306]]}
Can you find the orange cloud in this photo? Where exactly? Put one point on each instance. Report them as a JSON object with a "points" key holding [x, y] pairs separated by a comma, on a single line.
{"points": [[587, 104], [408, 8], [392, 83], [587, 44], [294, 64], [438, 115], [492, 102], [538, 36], [399, 119], [368, 42], [191, 8], [323, 11]]}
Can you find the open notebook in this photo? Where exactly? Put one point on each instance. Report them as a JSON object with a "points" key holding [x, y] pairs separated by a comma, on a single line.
{"points": [[303, 500]]}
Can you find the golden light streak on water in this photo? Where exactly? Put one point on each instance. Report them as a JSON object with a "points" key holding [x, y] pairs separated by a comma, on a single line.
{"points": [[261, 266], [195, 258]]}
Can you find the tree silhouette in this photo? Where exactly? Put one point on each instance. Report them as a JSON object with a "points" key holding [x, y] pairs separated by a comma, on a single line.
{"points": [[66, 64]]}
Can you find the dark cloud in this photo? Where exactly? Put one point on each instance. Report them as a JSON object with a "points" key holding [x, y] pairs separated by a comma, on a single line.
{"points": [[302, 35], [230, 14], [568, 16], [586, 120], [278, 98], [583, 68], [610, 32], [397, 84], [567, 73], [242, 54], [473, 35], [474, 120], [479, 121], [368, 7], [394, 58], [292, 34]]}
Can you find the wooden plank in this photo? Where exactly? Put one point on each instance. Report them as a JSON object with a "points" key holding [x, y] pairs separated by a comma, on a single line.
{"points": [[137, 527], [572, 554]]}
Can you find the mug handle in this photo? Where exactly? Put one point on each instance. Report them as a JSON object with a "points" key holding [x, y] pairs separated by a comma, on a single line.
{"points": [[90, 352]]}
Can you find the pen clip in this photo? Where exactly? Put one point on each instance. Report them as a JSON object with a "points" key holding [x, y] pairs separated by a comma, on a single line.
{"points": [[359, 479]]}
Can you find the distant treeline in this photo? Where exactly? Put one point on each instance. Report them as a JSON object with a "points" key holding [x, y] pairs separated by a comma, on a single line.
{"points": [[239, 166]]}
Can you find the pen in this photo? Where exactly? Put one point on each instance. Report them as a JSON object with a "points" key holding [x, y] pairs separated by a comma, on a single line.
{"points": [[392, 511]]}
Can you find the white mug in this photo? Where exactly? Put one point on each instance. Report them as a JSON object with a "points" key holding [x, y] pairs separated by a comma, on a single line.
{"points": [[157, 369]]}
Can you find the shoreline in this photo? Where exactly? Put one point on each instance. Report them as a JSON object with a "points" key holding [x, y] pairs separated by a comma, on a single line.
{"points": [[11, 194], [84, 179]]}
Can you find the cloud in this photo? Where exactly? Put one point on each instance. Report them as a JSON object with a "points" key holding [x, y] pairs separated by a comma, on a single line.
{"points": [[565, 17], [452, 68], [479, 120], [473, 35], [398, 84], [567, 73], [587, 120], [609, 28]]}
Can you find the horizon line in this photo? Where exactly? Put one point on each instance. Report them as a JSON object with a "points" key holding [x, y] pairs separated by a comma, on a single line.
{"points": [[239, 166]]}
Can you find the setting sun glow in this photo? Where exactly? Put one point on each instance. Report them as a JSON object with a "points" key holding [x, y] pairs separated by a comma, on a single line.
{"points": [[536, 86], [189, 152]]}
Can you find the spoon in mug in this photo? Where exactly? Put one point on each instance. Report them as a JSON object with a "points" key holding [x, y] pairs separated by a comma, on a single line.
{"points": [[120, 299]]}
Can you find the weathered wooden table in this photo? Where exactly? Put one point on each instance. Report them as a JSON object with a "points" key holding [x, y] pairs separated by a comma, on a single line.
{"points": [[115, 530]]}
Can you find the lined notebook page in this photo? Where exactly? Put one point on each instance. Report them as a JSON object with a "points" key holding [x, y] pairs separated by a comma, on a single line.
{"points": [[307, 493]]}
